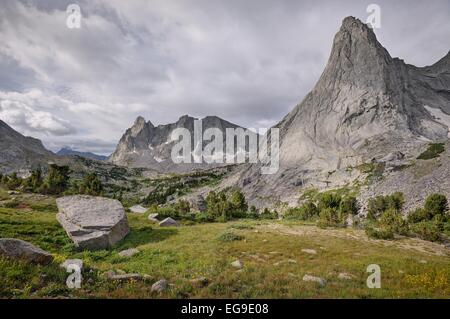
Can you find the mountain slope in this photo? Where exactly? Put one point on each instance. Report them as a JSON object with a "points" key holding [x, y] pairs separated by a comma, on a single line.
{"points": [[20, 152], [365, 106], [67, 151], [149, 146]]}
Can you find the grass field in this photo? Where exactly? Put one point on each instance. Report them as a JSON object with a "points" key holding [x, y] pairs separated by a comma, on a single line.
{"points": [[271, 251]]}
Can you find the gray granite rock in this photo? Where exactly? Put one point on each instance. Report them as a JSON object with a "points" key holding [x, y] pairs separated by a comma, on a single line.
{"points": [[92, 222], [21, 250]]}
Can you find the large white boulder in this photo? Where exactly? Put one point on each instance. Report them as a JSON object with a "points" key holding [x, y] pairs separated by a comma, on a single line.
{"points": [[92, 222]]}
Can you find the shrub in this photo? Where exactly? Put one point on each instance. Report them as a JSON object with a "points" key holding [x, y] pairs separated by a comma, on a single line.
{"points": [[427, 230], [168, 211], [433, 151], [417, 215], [238, 201], [183, 207], [349, 206], [329, 200], [56, 181], [435, 204], [305, 212], [203, 218], [34, 182], [91, 185], [217, 206], [330, 217], [378, 205], [393, 221], [267, 214], [379, 233], [13, 181], [229, 237]]}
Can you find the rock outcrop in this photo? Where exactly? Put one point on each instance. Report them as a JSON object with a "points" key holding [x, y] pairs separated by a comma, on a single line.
{"points": [[21, 250], [92, 222]]}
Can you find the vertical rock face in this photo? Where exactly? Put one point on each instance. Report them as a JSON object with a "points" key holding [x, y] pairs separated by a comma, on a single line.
{"points": [[92, 222], [364, 106], [144, 145], [364, 100]]}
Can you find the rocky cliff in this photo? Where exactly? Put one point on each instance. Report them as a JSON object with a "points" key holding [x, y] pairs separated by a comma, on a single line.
{"points": [[365, 106]]}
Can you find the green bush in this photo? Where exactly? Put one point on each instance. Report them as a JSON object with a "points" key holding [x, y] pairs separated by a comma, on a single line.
{"points": [[168, 211], [349, 206], [427, 230], [379, 233], [34, 182], [238, 201], [433, 151], [435, 204], [329, 200], [183, 207], [306, 211], [330, 217], [13, 182], [217, 206], [417, 215], [267, 214], [229, 237], [378, 205], [392, 220], [57, 180], [91, 185]]}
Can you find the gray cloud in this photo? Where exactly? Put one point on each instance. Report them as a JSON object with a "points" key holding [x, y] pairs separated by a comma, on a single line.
{"points": [[247, 61]]}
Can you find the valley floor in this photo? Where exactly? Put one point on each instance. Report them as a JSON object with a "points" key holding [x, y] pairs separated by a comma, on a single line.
{"points": [[275, 257]]}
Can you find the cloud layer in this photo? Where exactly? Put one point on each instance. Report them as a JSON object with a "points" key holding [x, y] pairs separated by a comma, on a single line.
{"points": [[248, 61]]}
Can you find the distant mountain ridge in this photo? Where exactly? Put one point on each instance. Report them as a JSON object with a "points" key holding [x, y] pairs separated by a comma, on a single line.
{"points": [[149, 146], [67, 151], [19, 152]]}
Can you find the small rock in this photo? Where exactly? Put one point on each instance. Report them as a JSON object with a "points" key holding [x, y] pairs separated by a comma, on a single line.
{"points": [[319, 280], [128, 252], [292, 261], [122, 277], [68, 262], [160, 286], [154, 217], [138, 209], [22, 250], [309, 251], [237, 264], [422, 261], [201, 281], [169, 222], [345, 276]]}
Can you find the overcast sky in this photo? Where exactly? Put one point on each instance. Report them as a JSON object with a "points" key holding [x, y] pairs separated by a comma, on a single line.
{"points": [[247, 61]]}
